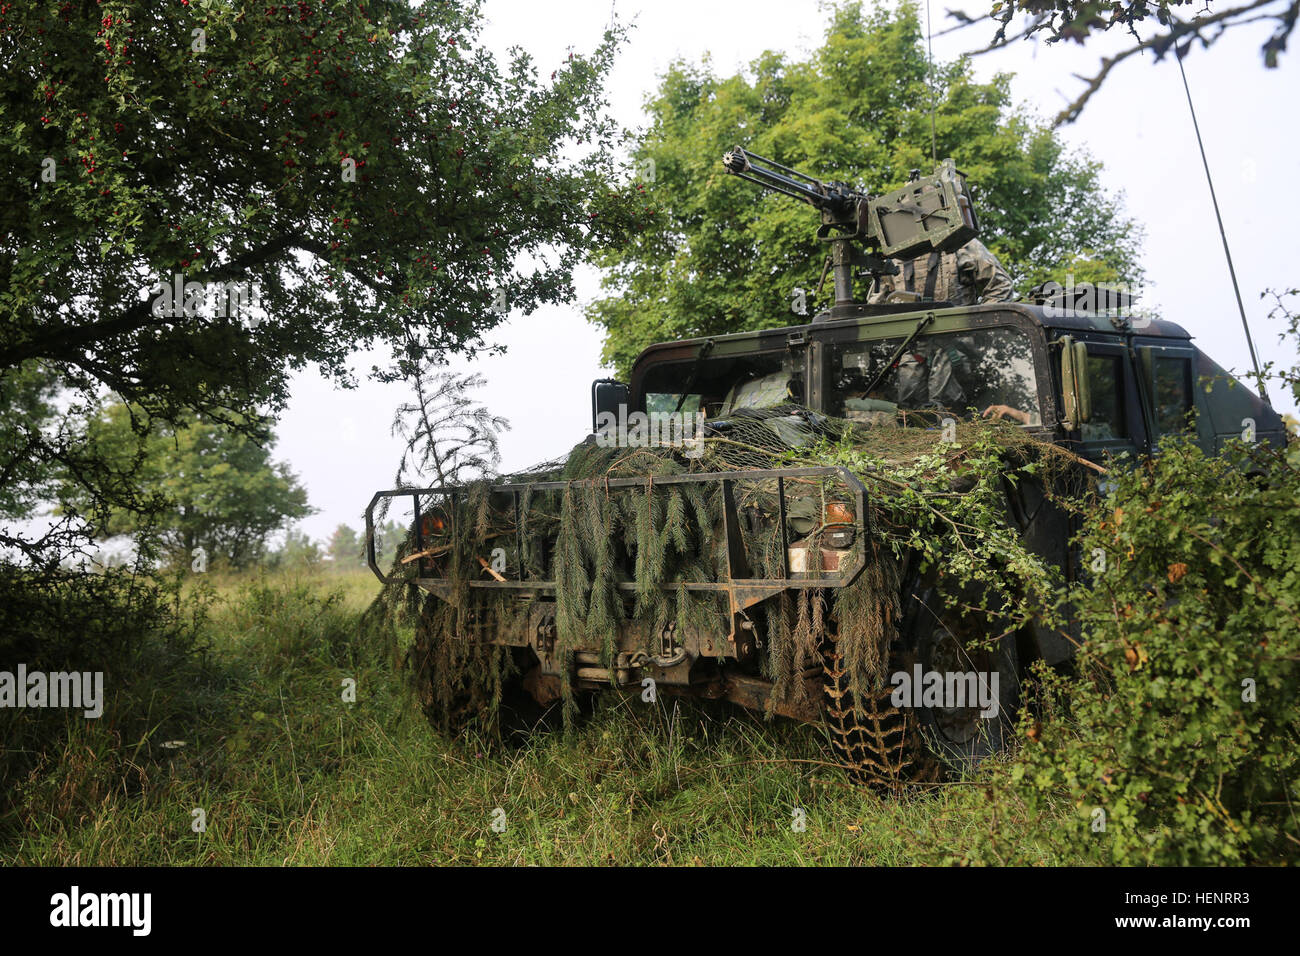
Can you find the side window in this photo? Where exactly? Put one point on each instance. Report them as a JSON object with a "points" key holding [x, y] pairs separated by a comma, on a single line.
{"points": [[1106, 384], [1172, 394]]}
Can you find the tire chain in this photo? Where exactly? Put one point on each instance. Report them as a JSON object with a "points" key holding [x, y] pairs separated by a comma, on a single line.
{"points": [[878, 744]]}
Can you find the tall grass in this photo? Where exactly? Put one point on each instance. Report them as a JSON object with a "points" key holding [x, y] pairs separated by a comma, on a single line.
{"points": [[250, 726]]}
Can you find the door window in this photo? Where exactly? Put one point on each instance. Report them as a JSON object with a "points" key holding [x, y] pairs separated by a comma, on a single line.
{"points": [[1172, 394], [1106, 386]]}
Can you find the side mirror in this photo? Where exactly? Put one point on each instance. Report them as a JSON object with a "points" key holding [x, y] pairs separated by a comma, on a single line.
{"points": [[1074, 382], [607, 397]]}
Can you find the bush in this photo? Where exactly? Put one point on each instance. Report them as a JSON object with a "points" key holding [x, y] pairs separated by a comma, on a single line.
{"points": [[157, 681], [1182, 742]]}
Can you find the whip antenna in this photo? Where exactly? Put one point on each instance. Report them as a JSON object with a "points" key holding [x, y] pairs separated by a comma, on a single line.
{"points": [[929, 79], [1227, 253]]}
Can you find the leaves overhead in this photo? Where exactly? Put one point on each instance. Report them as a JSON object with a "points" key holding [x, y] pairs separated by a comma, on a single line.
{"points": [[221, 156], [724, 257], [374, 173], [1154, 25]]}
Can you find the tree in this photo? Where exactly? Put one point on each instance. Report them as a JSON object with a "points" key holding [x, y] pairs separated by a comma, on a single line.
{"points": [[1077, 20], [724, 257], [43, 435], [449, 437], [299, 552], [209, 486], [26, 411], [345, 548], [326, 175]]}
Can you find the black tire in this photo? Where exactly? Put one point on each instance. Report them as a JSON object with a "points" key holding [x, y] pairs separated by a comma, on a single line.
{"points": [[945, 638], [874, 741], [519, 716]]}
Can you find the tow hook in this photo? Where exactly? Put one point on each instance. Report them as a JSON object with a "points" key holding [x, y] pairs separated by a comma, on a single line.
{"points": [[670, 652]]}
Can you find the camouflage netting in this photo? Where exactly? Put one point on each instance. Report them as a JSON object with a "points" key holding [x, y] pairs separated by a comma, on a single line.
{"points": [[585, 535]]}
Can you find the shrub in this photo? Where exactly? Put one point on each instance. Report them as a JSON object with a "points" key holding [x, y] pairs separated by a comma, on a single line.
{"points": [[1182, 743]]}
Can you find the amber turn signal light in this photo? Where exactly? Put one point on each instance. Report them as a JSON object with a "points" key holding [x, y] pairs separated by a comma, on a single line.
{"points": [[838, 512]]}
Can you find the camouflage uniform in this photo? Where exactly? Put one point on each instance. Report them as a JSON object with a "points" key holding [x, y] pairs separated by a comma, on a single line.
{"points": [[971, 274]]}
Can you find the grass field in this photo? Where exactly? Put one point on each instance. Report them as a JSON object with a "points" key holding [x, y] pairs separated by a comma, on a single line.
{"points": [[253, 731]]}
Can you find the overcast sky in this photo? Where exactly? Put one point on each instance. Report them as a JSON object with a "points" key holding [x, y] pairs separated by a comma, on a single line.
{"points": [[338, 441]]}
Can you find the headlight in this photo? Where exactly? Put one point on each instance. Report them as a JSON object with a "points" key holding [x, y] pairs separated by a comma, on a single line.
{"points": [[434, 524], [839, 531]]}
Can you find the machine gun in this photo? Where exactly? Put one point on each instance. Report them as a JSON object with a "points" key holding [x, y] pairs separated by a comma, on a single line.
{"points": [[931, 213]]}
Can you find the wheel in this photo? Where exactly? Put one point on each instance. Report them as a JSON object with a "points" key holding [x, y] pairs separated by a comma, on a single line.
{"points": [[899, 736], [873, 740], [972, 714]]}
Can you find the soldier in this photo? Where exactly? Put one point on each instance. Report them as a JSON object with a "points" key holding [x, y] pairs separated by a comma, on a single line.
{"points": [[971, 274]]}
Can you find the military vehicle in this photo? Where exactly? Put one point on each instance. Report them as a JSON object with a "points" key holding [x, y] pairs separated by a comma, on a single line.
{"points": [[1068, 372]]}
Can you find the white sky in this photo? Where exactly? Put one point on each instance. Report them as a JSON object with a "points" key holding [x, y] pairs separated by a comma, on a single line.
{"points": [[339, 442]]}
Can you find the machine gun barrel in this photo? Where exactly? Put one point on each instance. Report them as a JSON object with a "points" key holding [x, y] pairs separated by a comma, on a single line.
{"points": [[929, 214], [782, 179]]}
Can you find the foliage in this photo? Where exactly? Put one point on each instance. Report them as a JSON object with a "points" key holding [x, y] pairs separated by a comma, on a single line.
{"points": [[369, 174], [1077, 20], [1283, 312], [147, 644], [1181, 724], [26, 410], [724, 257], [298, 553], [1179, 730], [346, 548], [1152, 25], [44, 442], [448, 437], [208, 486]]}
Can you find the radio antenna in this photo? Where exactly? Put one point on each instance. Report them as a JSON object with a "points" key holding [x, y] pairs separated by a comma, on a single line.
{"points": [[929, 80], [1227, 253]]}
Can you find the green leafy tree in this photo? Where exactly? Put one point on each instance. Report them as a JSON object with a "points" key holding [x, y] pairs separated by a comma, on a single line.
{"points": [[43, 434], [26, 411], [725, 257], [345, 548], [299, 552], [208, 486], [363, 174]]}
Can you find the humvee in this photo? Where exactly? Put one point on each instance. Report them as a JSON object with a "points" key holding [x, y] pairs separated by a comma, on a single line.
{"points": [[1103, 385]]}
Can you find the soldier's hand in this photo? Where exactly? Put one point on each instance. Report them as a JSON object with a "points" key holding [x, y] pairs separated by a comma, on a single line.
{"points": [[1005, 411]]}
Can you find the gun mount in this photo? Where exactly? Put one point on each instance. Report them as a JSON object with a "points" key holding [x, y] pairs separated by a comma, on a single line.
{"points": [[931, 213]]}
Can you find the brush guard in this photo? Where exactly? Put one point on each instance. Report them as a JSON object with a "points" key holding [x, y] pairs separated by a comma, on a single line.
{"points": [[742, 589]]}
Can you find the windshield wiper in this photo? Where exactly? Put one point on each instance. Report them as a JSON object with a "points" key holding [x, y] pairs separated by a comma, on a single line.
{"points": [[705, 349], [898, 353]]}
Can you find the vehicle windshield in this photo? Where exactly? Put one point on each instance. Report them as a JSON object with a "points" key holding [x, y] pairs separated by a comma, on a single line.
{"points": [[986, 372], [973, 372], [722, 386]]}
